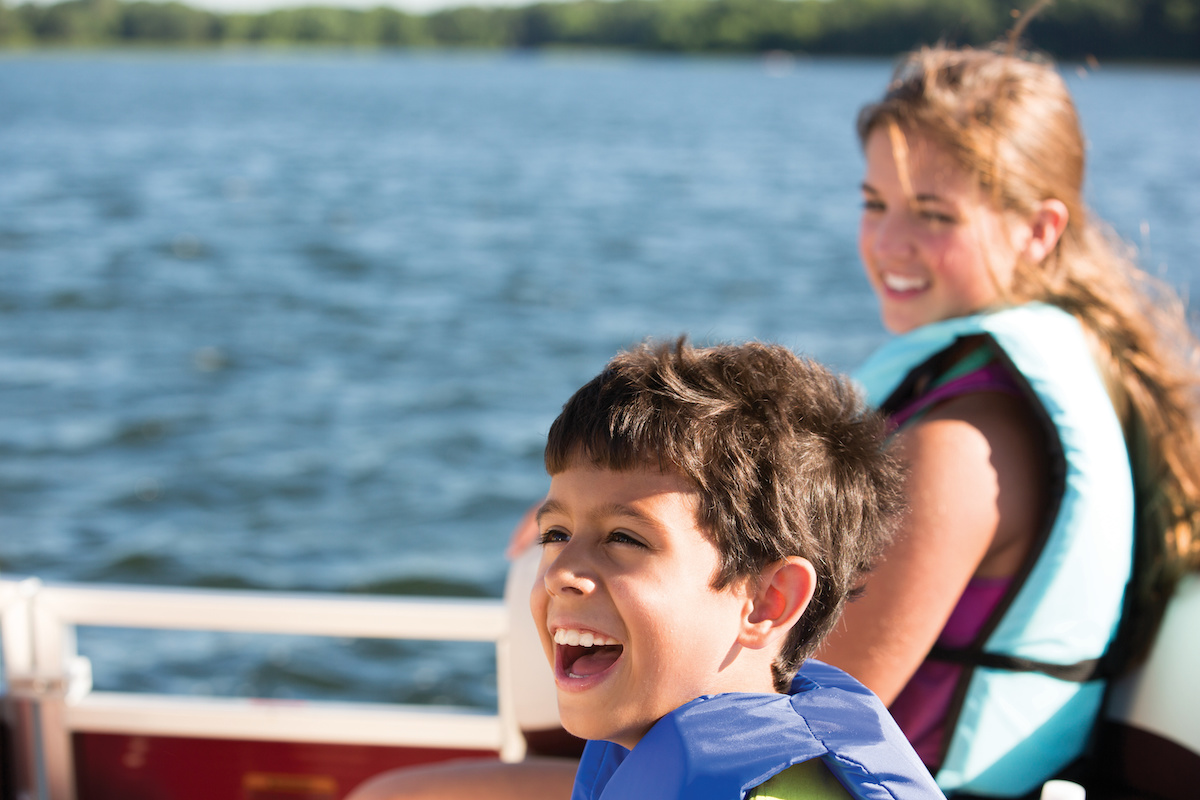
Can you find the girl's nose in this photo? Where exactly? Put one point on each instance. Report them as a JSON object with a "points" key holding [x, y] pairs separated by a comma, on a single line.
{"points": [[890, 238]]}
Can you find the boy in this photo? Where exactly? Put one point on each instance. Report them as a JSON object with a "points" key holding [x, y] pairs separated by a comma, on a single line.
{"points": [[710, 512]]}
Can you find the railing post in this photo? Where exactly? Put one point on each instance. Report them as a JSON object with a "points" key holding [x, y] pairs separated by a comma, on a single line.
{"points": [[516, 610], [60, 676], [512, 741], [44, 673], [48, 697], [21, 711]]}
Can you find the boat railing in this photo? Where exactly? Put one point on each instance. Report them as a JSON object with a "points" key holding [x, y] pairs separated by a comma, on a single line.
{"points": [[49, 684]]}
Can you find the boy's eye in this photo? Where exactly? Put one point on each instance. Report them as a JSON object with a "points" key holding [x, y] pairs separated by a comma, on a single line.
{"points": [[621, 537], [553, 536]]}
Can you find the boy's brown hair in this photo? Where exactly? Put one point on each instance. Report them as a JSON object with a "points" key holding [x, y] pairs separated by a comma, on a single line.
{"points": [[787, 459]]}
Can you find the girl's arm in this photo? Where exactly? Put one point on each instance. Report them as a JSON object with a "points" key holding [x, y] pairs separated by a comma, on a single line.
{"points": [[975, 491]]}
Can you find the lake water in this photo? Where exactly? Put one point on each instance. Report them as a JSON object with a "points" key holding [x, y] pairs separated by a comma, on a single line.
{"points": [[301, 322]]}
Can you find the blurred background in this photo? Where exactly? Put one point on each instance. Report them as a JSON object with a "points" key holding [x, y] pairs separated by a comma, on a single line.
{"points": [[290, 297]]}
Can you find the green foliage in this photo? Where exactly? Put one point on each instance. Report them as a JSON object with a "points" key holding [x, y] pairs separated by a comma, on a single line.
{"points": [[869, 27], [166, 22], [1107, 29], [1121, 29], [13, 30], [472, 27], [387, 27]]}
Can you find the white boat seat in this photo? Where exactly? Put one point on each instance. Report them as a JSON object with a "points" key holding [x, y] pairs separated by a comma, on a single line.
{"points": [[1151, 737]]}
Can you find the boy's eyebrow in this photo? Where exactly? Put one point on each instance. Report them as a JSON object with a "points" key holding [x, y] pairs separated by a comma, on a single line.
{"points": [[609, 509], [548, 507]]}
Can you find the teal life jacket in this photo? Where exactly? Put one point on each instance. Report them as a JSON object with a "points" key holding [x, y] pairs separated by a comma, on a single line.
{"points": [[1033, 683], [719, 747]]}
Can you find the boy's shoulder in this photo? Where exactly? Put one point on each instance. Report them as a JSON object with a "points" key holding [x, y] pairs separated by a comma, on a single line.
{"points": [[721, 746]]}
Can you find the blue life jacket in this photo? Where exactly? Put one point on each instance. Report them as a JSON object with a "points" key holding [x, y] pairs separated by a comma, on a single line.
{"points": [[718, 747], [1032, 683]]}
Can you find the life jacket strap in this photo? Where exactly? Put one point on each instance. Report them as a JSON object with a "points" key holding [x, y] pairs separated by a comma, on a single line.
{"points": [[1080, 672]]}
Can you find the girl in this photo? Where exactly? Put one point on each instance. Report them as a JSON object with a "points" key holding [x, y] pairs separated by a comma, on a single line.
{"points": [[1035, 362]]}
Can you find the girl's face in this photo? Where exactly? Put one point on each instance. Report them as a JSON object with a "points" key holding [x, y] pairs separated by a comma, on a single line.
{"points": [[933, 245]]}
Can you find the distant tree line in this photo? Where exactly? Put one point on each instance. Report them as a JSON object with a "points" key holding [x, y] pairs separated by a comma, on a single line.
{"points": [[1068, 29]]}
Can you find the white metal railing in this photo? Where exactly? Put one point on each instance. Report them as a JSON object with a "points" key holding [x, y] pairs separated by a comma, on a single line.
{"points": [[50, 693]]}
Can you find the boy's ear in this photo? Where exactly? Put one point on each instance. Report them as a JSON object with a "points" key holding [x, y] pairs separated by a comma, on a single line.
{"points": [[1046, 227], [784, 591]]}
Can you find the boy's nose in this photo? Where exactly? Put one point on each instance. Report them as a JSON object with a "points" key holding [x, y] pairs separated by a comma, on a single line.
{"points": [[567, 575]]}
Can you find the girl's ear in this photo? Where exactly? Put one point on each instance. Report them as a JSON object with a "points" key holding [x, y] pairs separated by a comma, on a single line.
{"points": [[784, 591], [1046, 227]]}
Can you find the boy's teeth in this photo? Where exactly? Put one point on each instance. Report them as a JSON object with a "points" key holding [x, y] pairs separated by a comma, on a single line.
{"points": [[577, 638]]}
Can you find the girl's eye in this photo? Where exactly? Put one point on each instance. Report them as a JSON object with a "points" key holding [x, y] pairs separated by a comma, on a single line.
{"points": [[937, 217], [553, 536], [871, 204]]}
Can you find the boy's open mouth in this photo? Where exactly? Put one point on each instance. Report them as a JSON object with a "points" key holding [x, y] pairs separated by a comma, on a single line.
{"points": [[582, 654]]}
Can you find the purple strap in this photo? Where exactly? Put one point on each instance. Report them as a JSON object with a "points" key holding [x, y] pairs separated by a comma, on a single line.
{"points": [[994, 377]]}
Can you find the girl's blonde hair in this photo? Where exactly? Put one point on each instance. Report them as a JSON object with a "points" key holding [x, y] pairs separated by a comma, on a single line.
{"points": [[1008, 120]]}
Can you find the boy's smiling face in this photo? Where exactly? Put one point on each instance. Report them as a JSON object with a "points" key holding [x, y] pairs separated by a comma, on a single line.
{"points": [[624, 603]]}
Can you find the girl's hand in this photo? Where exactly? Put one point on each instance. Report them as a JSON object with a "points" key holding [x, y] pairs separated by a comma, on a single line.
{"points": [[524, 534]]}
